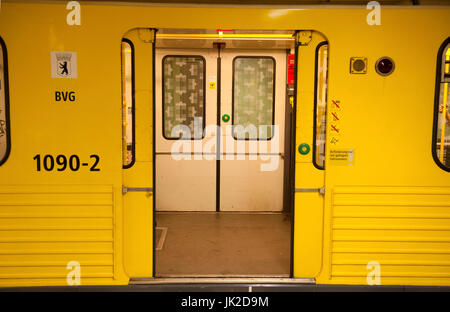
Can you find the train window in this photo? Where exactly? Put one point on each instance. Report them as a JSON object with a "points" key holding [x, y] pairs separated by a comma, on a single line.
{"points": [[253, 97], [442, 115], [4, 105], [320, 105], [128, 132], [183, 96]]}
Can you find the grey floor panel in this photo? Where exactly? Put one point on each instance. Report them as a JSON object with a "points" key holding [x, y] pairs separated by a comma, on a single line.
{"points": [[224, 244]]}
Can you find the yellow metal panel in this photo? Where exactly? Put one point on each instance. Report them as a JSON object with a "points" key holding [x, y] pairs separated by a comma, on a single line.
{"points": [[55, 223], [387, 120], [397, 280], [56, 248], [307, 176], [394, 271], [386, 211], [392, 259], [55, 199], [43, 260], [391, 235], [308, 233], [56, 189], [94, 235], [138, 214], [46, 227], [405, 229], [54, 272], [141, 174], [25, 282], [412, 247], [138, 226], [60, 210], [308, 214]]}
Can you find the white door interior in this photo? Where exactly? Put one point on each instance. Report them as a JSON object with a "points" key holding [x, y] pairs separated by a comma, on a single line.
{"points": [[253, 95], [252, 91], [185, 101]]}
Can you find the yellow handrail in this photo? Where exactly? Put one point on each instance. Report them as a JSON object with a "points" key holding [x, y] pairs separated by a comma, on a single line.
{"points": [[221, 36]]}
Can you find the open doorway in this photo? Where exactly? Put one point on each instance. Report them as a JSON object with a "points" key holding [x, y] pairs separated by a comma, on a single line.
{"points": [[223, 137]]}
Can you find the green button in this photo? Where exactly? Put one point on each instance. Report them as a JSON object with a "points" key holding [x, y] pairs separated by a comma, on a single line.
{"points": [[304, 149], [226, 117]]}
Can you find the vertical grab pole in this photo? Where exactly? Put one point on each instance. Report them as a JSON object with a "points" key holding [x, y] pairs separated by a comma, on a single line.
{"points": [[218, 134]]}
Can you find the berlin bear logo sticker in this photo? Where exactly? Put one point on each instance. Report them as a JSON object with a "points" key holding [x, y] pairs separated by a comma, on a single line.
{"points": [[64, 64]]}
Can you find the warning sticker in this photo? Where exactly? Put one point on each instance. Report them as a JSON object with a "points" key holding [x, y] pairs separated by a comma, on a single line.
{"points": [[64, 64], [212, 82], [342, 157]]}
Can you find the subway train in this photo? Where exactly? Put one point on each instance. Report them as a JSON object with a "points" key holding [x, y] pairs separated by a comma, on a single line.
{"points": [[145, 143]]}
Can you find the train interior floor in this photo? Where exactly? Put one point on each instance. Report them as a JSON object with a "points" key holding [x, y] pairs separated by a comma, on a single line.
{"points": [[207, 244]]}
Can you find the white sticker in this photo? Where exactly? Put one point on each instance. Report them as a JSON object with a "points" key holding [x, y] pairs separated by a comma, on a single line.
{"points": [[64, 64]]}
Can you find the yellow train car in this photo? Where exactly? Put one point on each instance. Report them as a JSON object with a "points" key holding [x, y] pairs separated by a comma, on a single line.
{"points": [[151, 143]]}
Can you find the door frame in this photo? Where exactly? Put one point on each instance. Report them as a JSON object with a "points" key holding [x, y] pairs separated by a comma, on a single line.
{"points": [[293, 141]]}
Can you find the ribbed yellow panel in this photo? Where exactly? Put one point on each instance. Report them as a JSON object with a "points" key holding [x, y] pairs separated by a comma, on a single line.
{"points": [[405, 229], [44, 227]]}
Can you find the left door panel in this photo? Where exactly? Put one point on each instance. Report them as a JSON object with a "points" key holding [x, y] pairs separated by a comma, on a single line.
{"points": [[186, 106], [137, 78]]}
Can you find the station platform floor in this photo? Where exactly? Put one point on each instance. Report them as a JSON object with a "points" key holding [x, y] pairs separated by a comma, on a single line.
{"points": [[224, 244]]}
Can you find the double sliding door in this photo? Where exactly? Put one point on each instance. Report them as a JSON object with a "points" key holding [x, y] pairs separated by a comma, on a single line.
{"points": [[220, 129]]}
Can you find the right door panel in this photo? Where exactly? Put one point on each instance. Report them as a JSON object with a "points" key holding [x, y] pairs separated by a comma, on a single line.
{"points": [[309, 178], [253, 98]]}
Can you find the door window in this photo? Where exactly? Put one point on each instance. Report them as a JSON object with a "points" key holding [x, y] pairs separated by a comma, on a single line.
{"points": [[128, 103], [4, 109], [183, 96], [442, 120], [320, 102], [253, 97]]}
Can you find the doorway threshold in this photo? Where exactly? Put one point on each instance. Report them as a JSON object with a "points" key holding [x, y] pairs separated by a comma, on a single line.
{"points": [[254, 280]]}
